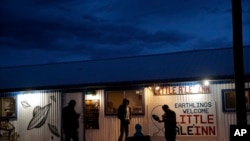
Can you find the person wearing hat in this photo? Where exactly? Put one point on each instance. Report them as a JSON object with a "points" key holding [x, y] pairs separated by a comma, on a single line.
{"points": [[169, 119], [70, 121]]}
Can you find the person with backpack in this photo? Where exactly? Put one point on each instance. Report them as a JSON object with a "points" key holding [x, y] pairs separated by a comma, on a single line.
{"points": [[124, 114]]}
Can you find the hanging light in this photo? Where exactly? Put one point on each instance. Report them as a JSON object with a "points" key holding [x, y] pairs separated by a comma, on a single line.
{"points": [[206, 82]]}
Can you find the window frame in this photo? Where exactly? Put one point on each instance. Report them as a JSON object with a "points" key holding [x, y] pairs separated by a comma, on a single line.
{"points": [[139, 92], [3, 100], [230, 106]]}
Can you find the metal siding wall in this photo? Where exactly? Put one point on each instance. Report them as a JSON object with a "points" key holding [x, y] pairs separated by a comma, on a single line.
{"points": [[223, 119], [152, 100], [27, 101], [110, 125], [107, 125]]}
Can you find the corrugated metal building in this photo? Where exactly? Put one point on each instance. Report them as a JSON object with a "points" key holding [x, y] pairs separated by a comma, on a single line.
{"points": [[204, 112]]}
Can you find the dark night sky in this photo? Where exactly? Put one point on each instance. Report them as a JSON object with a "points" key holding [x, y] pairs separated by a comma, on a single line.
{"points": [[50, 31]]}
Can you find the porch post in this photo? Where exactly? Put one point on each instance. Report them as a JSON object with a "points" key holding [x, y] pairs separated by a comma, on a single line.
{"points": [[238, 63]]}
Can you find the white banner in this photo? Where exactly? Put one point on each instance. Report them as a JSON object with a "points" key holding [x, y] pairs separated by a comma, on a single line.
{"points": [[195, 118]]}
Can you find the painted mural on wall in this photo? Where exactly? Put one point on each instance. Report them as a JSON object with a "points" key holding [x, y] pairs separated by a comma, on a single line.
{"points": [[195, 118], [40, 115]]}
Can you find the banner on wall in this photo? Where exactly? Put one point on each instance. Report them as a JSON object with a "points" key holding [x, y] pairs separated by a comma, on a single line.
{"points": [[196, 118]]}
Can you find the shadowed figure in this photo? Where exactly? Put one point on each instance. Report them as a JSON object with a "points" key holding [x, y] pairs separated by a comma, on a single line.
{"points": [[124, 114], [169, 119], [138, 130], [70, 121], [138, 135]]}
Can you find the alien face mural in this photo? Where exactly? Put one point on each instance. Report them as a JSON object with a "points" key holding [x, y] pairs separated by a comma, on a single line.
{"points": [[156, 114]]}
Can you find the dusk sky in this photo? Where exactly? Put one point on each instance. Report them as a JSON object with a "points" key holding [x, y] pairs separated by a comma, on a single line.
{"points": [[51, 31]]}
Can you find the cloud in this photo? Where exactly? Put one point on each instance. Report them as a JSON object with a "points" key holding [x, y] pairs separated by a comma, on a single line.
{"points": [[47, 34], [71, 30]]}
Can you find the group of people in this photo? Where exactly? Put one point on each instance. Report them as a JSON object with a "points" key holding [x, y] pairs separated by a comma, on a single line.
{"points": [[169, 119], [71, 124]]}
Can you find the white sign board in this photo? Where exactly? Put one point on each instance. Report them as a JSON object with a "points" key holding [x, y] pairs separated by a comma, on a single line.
{"points": [[193, 118]]}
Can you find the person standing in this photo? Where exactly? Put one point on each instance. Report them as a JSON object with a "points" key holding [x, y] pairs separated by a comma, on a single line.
{"points": [[70, 121], [169, 119], [124, 114]]}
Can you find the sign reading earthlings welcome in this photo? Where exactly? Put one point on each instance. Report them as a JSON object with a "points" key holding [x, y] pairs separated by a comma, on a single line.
{"points": [[197, 118]]}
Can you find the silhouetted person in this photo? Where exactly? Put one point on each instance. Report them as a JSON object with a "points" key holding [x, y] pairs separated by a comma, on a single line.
{"points": [[124, 114], [138, 130], [169, 119], [70, 121]]}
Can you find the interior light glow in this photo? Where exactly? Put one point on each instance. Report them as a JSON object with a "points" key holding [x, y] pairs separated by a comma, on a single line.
{"points": [[206, 82], [92, 97], [157, 88]]}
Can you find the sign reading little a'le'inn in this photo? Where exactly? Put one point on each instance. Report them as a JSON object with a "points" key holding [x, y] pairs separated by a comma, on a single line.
{"points": [[183, 89]]}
